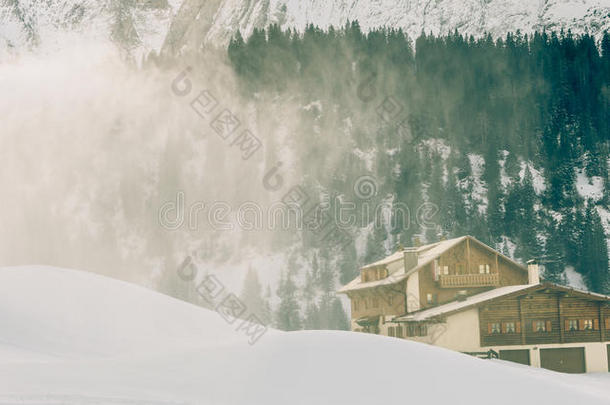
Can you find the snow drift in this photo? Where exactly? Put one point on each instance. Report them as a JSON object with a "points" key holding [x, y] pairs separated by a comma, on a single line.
{"points": [[71, 337]]}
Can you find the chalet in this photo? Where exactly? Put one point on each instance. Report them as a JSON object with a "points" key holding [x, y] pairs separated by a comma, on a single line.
{"points": [[463, 295]]}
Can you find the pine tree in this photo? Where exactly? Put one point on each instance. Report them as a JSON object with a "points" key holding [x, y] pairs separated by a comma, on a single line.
{"points": [[340, 319], [267, 311], [348, 264], [288, 315], [553, 254], [594, 262], [252, 296], [527, 220], [312, 317]]}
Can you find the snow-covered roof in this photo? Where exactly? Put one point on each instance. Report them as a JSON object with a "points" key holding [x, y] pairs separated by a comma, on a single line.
{"points": [[425, 254], [474, 300], [469, 301]]}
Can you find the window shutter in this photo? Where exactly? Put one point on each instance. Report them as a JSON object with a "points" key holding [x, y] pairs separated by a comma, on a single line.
{"points": [[489, 328], [548, 326], [607, 323], [596, 324], [581, 324], [534, 326], [503, 327], [567, 325], [518, 327]]}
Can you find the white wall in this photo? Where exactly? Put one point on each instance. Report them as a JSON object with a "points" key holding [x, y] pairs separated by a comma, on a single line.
{"points": [[413, 302], [460, 332]]}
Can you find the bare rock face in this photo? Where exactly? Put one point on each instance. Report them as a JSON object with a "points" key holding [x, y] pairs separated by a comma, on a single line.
{"points": [[192, 22], [135, 26], [141, 26], [472, 17]]}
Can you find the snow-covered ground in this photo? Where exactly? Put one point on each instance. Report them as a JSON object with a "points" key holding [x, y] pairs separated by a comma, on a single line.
{"points": [[70, 337]]}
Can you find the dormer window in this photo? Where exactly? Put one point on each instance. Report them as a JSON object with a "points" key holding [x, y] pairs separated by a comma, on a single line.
{"points": [[373, 274]]}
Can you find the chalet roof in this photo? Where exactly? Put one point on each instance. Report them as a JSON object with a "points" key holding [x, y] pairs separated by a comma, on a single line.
{"points": [[501, 292], [425, 255]]}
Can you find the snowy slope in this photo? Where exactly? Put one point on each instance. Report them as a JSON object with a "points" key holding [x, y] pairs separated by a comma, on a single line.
{"points": [[73, 313], [140, 26], [414, 16], [69, 337], [46, 25]]}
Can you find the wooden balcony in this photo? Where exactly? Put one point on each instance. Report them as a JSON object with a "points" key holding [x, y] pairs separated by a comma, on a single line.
{"points": [[469, 280]]}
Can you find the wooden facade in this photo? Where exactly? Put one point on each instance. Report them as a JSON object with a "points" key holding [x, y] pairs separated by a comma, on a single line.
{"points": [[386, 300], [547, 316], [468, 267], [465, 260], [462, 295]]}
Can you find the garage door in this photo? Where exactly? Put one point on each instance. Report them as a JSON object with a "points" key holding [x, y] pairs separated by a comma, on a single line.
{"points": [[566, 360], [516, 356]]}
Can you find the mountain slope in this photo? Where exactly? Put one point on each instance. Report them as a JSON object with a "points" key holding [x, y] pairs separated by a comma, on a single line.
{"points": [[141, 26], [300, 368], [135, 26], [414, 16]]}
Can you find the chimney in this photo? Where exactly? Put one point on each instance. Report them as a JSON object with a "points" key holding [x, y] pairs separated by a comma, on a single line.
{"points": [[416, 241], [410, 256], [533, 273]]}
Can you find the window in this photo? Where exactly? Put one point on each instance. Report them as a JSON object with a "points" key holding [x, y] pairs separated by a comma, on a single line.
{"points": [[391, 331], [572, 325], [445, 270], [587, 324], [355, 304], [483, 268], [429, 298], [399, 331], [411, 329], [493, 328], [423, 330], [459, 268], [509, 327], [541, 326]]}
